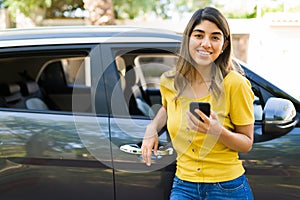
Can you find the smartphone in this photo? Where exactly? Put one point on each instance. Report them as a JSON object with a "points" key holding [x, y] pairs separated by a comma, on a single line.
{"points": [[203, 106]]}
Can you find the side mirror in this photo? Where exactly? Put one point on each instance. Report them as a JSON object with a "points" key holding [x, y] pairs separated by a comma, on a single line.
{"points": [[278, 117]]}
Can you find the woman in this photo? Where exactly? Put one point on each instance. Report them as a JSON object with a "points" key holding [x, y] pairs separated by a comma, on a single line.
{"points": [[208, 166]]}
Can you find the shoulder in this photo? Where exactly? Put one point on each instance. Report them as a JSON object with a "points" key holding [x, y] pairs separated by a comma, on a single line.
{"points": [[236, 84], [167, 80], [234, 78]]}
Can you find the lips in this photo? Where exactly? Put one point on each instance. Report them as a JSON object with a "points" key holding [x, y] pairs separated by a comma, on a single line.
{"points": [[203, 53]]}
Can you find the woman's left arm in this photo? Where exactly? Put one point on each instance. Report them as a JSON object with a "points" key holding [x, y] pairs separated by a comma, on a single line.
{"points": [[241, 140], [241, 115]]}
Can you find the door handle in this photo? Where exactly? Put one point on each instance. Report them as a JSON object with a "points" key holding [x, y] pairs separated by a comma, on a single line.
{"points": [[135, 149]]}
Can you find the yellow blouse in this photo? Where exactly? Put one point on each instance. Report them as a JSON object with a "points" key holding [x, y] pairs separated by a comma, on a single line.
{"points": [[200, 157]]}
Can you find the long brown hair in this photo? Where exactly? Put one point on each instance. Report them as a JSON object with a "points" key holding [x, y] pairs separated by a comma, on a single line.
{"points": [[222, 65]]}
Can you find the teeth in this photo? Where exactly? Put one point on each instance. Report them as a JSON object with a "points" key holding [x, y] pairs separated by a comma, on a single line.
{"points": [[204, 52]]}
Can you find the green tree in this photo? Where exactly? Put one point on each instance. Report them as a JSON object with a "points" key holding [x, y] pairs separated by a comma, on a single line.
{"points": [[27, 7], [278, 8], [129, 9], [100, 11], [191, 5], [104, 11], [58, 7]]}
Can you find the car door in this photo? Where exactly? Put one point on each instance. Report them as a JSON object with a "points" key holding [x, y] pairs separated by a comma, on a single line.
{"points": [[133, 179], [49, 154]]}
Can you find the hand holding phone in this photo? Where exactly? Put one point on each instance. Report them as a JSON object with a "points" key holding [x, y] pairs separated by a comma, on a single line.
{"points": [[203, 106]]}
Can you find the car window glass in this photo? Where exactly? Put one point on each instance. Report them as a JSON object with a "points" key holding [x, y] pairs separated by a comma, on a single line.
{"points": [[46, 80], [140, 72], [153, 66], [77, 71], [67, 80]]}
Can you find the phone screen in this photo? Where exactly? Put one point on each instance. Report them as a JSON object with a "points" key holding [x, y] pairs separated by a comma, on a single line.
{"points": [[203, 106]]}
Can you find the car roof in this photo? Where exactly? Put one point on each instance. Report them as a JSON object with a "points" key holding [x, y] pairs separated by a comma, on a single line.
{"points": [[84, 34]]}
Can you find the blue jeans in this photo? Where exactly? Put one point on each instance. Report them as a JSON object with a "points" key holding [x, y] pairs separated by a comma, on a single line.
{"points": [[237, 189]]}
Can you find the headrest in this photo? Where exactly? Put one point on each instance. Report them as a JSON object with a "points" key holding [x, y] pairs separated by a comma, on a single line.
{"points": [[29, 87], [10, 92], [7, 89], [121, 65]]}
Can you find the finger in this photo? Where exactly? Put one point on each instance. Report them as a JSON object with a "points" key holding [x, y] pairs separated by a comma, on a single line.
{"points": [[203, 126], [192, 119], [155, 148], [148, 157], [193, 122], [143, 153], [203, 116], [213, 115]]}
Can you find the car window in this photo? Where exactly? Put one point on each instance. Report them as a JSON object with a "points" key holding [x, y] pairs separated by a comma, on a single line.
{"points": [[45, 80], [139, 72]]}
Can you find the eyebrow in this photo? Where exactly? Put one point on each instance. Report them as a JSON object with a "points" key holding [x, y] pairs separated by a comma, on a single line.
{"points": [[213, 33]]}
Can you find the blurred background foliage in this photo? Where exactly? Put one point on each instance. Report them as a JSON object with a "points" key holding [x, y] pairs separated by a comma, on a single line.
{"points": [[25, 6], [131, 9]]}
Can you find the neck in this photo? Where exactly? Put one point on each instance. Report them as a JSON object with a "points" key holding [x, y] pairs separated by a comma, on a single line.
{"points": [[202, 74]]}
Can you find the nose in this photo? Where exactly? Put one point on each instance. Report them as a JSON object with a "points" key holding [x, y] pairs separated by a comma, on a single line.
{"points": [[205, 42]]}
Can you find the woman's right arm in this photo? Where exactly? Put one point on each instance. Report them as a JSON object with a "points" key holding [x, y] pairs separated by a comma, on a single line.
{"points": [[150, 141]]}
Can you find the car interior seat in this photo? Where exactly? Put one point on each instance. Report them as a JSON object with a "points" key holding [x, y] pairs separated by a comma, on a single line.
{"points": [[33, 98], [134, 96], [11, 96]]}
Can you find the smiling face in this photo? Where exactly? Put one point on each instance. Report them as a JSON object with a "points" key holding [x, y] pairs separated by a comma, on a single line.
{"points": [[206, 43]]}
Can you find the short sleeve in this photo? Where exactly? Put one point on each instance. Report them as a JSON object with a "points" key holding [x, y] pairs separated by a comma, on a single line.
{"points": [[241, 100], [166, 89]]}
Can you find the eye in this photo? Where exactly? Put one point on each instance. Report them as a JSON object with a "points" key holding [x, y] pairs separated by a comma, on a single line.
{"points": [[199, 36], [216, 38]]}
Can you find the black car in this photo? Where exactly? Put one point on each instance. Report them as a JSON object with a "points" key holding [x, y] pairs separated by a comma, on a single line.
{"points": [[74, 104]]}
